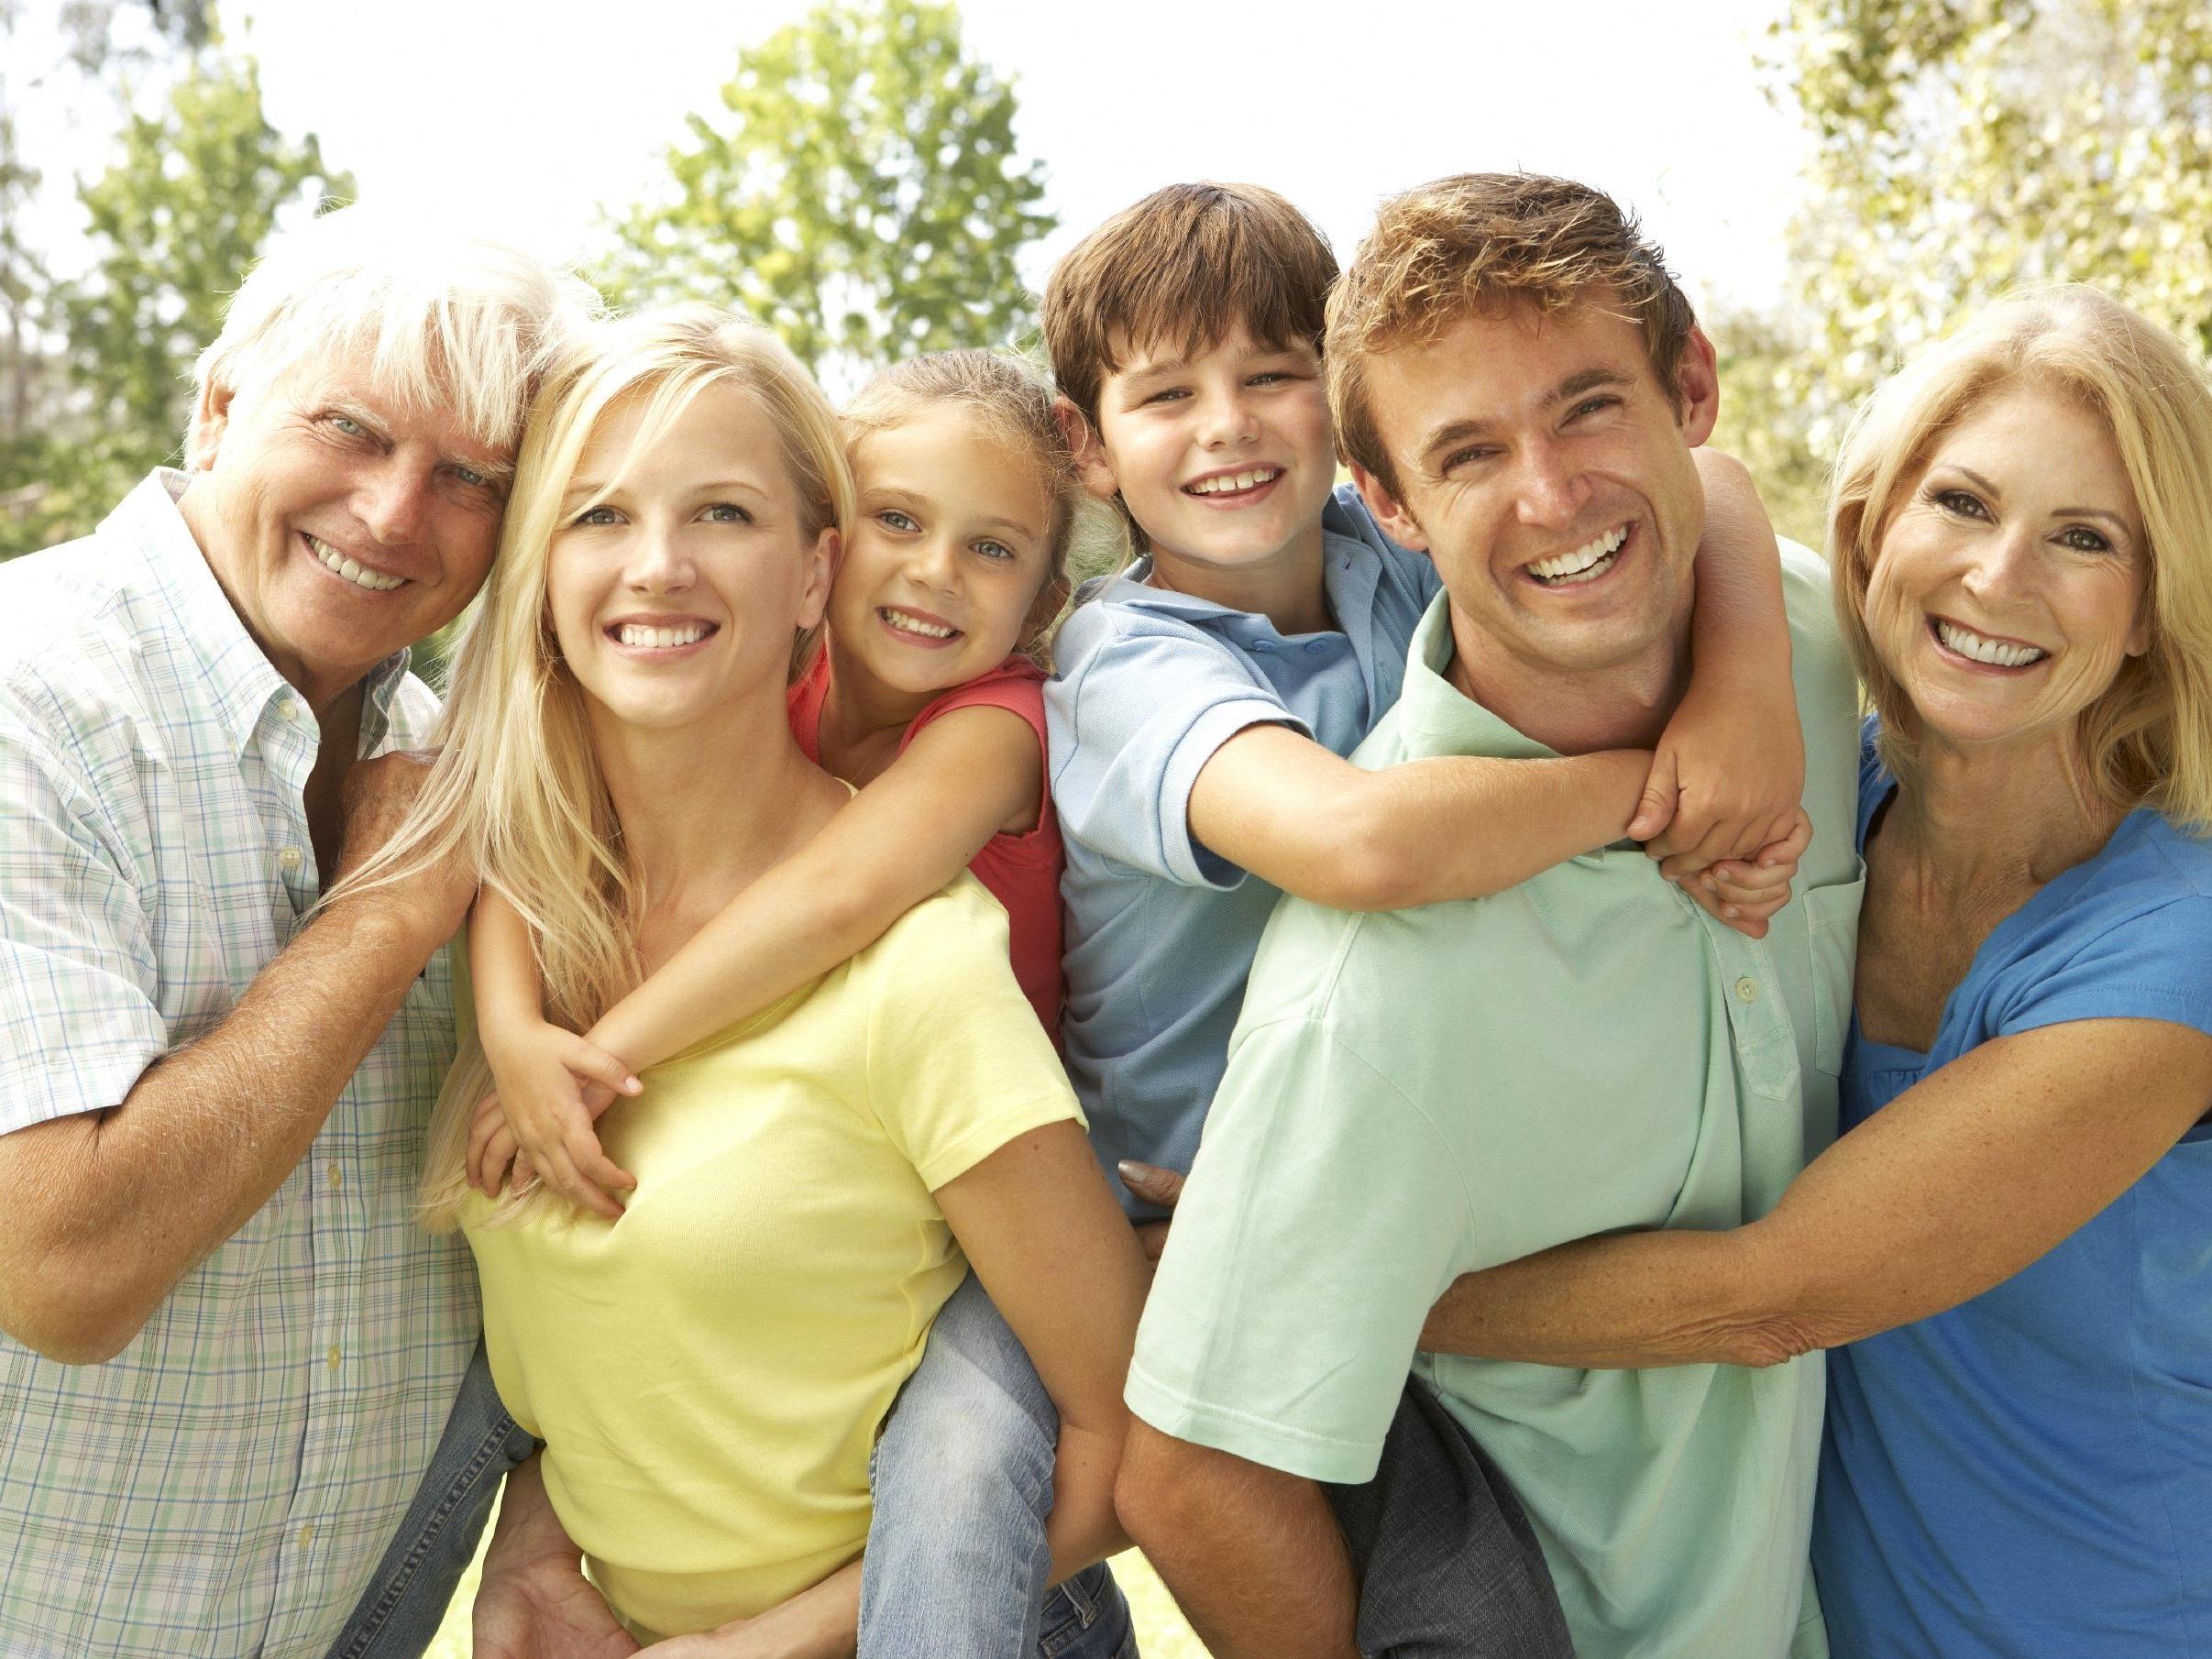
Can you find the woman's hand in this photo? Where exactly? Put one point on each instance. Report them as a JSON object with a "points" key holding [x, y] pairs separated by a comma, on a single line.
{"points": [[551, 1086], [533, 1601]]}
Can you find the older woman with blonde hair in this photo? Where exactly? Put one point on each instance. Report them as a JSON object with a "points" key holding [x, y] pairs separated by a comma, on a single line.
{"points": [[2008, 1247]]}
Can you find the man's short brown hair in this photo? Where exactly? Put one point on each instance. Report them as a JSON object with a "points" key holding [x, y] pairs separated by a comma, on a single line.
{"points": [[1189, 264], [1482, 243]]}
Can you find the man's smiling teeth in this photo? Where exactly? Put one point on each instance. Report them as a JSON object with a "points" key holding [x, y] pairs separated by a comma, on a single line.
{"points": [[690, 633], [1224, 483], [1994, 652], [357, 573], [1586, 564], [910, 624]]}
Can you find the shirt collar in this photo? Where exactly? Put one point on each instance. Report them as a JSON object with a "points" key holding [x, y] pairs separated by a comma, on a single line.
{"points": [[1436, 715], [198, 613], [1349, 573]]}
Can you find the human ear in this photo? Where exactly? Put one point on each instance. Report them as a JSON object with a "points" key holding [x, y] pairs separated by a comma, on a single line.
{"points": [[820, 571], [1396, 519], [1087, 448], [210, 420], [1698, 386]]}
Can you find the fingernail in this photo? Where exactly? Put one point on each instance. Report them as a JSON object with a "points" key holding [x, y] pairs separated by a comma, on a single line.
{"points": [[631, 1086], [1729, 911]]}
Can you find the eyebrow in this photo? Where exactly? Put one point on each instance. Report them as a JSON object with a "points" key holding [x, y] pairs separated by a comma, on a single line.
{"points": [[1990, 490], [1574, 386], [494, 470], [591, 487]]}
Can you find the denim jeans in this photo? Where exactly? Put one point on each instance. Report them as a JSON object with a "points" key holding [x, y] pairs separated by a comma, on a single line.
{"points": [[956, 1564], [407, 1598], [1449, 1566]]}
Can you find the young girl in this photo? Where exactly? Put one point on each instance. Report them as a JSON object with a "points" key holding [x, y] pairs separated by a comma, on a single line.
{"points": [[966, 497], [709, 1378]]}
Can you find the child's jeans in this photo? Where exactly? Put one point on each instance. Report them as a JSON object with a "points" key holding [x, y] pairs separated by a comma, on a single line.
{"points": [[956, 1565]]}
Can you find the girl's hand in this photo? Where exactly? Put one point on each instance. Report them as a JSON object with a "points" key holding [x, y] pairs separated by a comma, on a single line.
{"points": [[552, 1085], [1745, 894]]}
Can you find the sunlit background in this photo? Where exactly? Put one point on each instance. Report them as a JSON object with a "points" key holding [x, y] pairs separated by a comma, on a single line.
{"points": [[1834, 179]]}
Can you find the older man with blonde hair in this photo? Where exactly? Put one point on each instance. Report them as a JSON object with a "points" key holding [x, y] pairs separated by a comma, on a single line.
{"points": [[232, 1370]]}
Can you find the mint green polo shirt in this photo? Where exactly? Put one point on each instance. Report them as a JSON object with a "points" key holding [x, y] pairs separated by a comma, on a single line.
{"points": [[1415, 1095]]}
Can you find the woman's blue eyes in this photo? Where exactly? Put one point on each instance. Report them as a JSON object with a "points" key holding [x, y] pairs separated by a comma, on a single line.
{"points": [[1958, 500], [892, 519], [721, 512]]}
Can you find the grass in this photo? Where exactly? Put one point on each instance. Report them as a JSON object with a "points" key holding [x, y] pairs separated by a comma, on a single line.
{"points": [[1161, 1630]]}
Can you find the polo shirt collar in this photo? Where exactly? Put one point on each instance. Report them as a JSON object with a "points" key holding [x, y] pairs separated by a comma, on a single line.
{"points": [[1350, 574], [240, 681], [1436, 716]]}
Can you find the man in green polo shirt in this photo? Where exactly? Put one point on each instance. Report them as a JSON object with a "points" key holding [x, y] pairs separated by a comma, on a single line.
{"points": [[1416, 1095]]}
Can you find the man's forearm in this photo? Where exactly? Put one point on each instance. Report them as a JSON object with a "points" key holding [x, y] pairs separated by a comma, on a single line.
{"points": [[1253, 1554], [109, 1209]]}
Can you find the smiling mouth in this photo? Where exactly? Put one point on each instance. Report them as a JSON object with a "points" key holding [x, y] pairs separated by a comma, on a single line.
{"points": [[638, 636], [1980, 649], [358, 573], [1232, 485], [1585, 564], [901, 622]]}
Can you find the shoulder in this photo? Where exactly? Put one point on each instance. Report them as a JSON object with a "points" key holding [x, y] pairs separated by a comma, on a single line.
{"points": [[1347, 518], [957, 931], [71, 653], [1016, 685]]}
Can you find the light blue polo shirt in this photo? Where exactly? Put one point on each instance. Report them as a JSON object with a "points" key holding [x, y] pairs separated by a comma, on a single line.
{"points": [[2029, 1474], [1160, 930]]}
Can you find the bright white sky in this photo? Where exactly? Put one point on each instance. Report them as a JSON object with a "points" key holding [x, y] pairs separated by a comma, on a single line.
{"points": [[527, 120]]}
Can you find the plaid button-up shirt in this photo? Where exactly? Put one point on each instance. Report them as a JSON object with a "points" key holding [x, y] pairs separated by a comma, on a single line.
{"points": [[225, 1486]]}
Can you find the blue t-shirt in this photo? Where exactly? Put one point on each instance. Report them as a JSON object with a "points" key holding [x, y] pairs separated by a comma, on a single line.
{"points": [[1161, 931], [2029, 1475]]}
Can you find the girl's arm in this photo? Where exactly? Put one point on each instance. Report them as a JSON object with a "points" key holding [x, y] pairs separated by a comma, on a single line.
{"points": [[966, 776], [1971, 1174], [1062, 1264], [1292, 812], [550, 1084]]}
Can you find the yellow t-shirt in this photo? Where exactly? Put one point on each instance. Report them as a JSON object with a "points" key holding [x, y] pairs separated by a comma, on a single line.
{"points": [[709, 1372]]}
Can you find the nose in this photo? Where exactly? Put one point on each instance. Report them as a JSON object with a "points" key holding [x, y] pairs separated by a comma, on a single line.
{"points": [[656, 561], [1997, 564], [1551, 491], [934, 562], [394, 502], [1227, 418]]}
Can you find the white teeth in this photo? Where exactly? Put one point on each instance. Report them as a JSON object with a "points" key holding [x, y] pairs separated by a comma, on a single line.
{"points": [[1228, 481], [908, 624], [1586, 562], [634, 633], [1994, 652], [357, 573]]}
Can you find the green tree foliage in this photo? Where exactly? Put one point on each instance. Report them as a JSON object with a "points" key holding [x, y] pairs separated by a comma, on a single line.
{"points": [[1966, 147], [859, 192], [181, 214]]}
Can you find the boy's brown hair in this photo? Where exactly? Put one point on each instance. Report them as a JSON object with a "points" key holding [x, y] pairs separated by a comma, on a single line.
{"points": [[1188, 264], [1482, 243]]}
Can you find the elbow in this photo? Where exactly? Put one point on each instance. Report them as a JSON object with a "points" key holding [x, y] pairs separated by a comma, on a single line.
{"points": [[64, 1311], [1364, 865], [1771, 1340], [1161, 1492]]}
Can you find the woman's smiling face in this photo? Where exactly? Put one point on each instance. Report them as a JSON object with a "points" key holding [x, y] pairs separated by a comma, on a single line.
{"points": [[2008, 589], [679, 572]]}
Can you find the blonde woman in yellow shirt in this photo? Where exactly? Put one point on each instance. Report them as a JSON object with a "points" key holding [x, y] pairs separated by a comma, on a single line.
{"points": [[709, 1372]]}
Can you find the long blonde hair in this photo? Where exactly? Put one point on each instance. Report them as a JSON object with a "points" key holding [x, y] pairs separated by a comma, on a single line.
{"points": [[2148, 739], [516, 789]]}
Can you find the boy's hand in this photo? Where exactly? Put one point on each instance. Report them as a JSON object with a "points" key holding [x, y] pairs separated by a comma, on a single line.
{"points": [[1721, 785], [1745, 894], [1155, 1186], [552, 1085]]}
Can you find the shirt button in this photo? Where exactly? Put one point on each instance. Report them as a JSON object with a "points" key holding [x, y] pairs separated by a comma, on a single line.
{"points": [[1747, 990], [307, 1534], [289, 858], [288, 709], [1316, 647], [337, 1356], [1264, 646], [336, 1175]]}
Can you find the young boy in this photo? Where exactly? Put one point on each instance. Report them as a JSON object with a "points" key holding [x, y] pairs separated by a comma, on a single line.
{"points": [[1205, 700]]}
